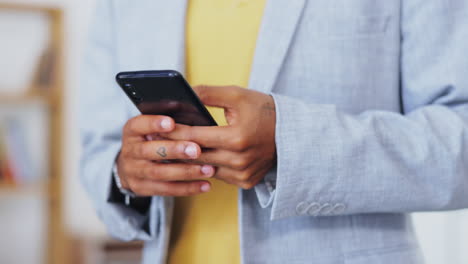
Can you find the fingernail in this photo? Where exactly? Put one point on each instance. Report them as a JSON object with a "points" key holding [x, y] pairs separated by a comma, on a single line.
{"points": [[207, 170], [191, 151], [166, 123], [205, 187]]}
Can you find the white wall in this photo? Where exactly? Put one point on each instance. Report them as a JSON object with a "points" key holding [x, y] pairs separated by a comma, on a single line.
{"points": [[443, 236]]}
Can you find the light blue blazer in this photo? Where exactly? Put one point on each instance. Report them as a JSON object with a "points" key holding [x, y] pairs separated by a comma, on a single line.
{"points": [[372, 123]]}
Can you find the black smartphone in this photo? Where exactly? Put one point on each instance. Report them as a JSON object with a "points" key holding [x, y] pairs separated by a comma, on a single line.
{"points": [[165, 93]]}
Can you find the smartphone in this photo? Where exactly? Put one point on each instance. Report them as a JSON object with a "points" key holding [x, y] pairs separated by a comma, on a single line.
{"points": [[165, 93]]}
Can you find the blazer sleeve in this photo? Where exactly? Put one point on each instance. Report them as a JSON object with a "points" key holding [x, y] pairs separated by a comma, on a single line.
{"points": [[334, 163], [103, 112]]}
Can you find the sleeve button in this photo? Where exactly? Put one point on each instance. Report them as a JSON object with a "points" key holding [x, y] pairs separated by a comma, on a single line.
{"points": [[301, 208], [313, 209], [326, 209], [338, 208]]}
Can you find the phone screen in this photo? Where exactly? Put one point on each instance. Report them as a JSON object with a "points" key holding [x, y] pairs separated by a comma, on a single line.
{"points": [[165, 93]]}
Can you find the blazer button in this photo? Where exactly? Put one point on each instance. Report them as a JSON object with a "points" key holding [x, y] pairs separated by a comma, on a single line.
{"points": [[301, 208], [338, 208], [313, 209], [326, 209]]}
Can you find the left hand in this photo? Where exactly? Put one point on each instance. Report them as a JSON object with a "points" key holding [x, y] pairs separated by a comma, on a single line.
{"points": [[245, 150]]}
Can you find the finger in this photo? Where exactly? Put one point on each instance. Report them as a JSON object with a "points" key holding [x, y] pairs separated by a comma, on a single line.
{"points": [[228, 175], [205, 136], [148, 124], [220, 96], [243, 179], [172, 171], [163, 150], [154, 136], [152, 188], [225, 158]]}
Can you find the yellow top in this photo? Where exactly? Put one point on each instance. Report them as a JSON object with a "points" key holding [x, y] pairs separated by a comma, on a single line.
{"points": [[221, 39]]}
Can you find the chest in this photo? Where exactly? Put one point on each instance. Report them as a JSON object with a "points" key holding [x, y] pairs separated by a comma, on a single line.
{"points": [[341, 52], [345, 53]]}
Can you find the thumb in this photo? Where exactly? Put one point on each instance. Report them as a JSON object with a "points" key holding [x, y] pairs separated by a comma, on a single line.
{"points": [[218, 96]]}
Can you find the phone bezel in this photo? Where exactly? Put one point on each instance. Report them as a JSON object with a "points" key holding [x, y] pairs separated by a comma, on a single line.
{"points": [[122, 76]]}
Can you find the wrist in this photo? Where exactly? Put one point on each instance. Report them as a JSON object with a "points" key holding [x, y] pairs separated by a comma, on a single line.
{"points": [[121, 185], [121, 177]]}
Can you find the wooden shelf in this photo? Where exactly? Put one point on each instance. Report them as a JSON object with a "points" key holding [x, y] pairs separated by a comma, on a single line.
{"points": [[25, 189], [22, 99], [6, 186], [52, 96], [27, 7]]}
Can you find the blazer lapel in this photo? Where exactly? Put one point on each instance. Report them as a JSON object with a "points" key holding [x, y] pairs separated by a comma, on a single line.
{"points": [[159, 31], [161, 39], [278, 27]]}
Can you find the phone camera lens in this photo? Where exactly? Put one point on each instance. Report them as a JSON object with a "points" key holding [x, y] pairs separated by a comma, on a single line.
{"points": [[132, 92]]}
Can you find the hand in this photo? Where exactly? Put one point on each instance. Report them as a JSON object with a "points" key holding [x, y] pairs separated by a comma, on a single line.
{"points": [[139, 162], [245, 150]]}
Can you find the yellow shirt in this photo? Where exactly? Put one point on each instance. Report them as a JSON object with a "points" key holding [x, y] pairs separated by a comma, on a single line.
{"points": [[221, 39]]}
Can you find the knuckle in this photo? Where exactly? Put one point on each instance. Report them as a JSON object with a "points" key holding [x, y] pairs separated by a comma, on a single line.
{"points": [[132, 125], [240, 163], [188, 133], [134, 186], [193, 189], [166, 191], [155, 173], [243, 177], [129, 151], [189, 189], [124, 169], [125, 150], [247, 185], [144, 150], [193, 171], [239, 142], [136, 150], [140, 173], [163, 190], [236, 92], [200, 90]]}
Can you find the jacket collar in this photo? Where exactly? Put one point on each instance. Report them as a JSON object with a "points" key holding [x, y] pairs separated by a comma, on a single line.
{"points": [[279, 24], [160, 30]]}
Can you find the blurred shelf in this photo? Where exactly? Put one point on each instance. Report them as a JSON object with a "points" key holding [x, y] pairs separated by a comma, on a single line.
{"points": [[105, 250], [9, 99], [39, 188], [28, 7], [50, 94], [33, 92]]}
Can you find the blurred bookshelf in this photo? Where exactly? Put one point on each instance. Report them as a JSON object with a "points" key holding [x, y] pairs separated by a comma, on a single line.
{"points": [[31, 107], [105, 251]]}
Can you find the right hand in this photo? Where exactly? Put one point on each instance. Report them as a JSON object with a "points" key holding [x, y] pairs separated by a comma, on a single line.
{"points": [[140, 163]]}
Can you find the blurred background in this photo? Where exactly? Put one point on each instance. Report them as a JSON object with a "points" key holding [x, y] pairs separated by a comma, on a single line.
{"points": [[45, 215]]}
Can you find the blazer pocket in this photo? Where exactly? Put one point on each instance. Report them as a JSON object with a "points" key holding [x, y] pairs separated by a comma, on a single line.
{"points": [[400, 255], [342, 27]]}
